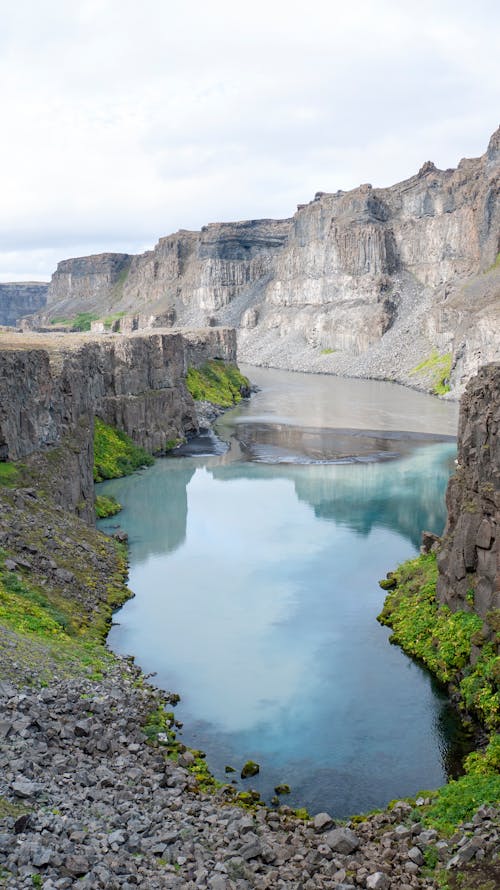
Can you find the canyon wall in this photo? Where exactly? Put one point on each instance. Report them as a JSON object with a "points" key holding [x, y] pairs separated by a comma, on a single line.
{"points": [[18, 298], [370, 282], [51, 387], [469, 556]]}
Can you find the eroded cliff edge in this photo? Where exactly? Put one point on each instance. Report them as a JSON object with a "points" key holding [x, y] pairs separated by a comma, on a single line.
{"points": [[51, 387], [372, 282], [469, 555]]}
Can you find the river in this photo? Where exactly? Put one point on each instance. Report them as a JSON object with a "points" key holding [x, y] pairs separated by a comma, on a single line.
{"points": [[255, 571]]}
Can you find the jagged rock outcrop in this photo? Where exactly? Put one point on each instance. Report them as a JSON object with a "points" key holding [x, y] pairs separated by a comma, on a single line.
{"points": [[367, 282], [18, 298], [51, 388], [469, 556]]}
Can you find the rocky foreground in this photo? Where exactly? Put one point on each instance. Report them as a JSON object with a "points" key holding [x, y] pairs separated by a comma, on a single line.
{"points": [[90, 803]]}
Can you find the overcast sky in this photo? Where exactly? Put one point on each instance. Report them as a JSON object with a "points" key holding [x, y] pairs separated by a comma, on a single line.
{"points": [[125, 120]]}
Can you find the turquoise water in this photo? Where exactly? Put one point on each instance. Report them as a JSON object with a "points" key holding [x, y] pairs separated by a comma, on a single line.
{"points": [[255, 573]]}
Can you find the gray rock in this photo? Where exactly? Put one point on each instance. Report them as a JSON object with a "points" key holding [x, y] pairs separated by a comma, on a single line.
{"points": [[322, 822], [378, 881], [25, 788], [342, 840], [416, 856]]}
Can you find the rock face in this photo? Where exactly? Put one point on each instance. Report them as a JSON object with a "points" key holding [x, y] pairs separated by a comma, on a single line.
{"points": [[21, 298], [367, 282], [469, 557], [50, 394]]}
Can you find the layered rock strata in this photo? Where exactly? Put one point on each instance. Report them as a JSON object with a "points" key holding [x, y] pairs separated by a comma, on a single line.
{"points": [[20, 298], [52, 387], [367, 282], [469, 555]]}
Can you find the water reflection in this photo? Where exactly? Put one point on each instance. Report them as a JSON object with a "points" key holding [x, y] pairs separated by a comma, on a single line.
{"points": [[256, 599]]}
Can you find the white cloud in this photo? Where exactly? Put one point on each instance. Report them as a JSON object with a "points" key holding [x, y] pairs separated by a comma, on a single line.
{"points": [[125, 121]]}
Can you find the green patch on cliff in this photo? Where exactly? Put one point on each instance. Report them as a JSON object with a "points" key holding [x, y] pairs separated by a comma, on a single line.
{"points": [[83, 320], [218, 383], [109, 320], [9, 474], [115, 454], [442, 639], [437, 368], [106, 506]]}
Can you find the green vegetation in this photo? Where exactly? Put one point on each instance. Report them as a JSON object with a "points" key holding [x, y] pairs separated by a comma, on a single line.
{"points": [[9, 474], [110, 319], [250, 768], [495, 264], [327, 351], [438, 367], [283, 788], [217, 382], [83, 320], [458, 800], [51, 628], [115, 454], [106, 506], [442, 639]]}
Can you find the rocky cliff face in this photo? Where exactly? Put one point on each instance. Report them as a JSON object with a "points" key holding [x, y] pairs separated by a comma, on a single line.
{"points": [[369, 282], [21, 298], [51, 388], [469, 558]]}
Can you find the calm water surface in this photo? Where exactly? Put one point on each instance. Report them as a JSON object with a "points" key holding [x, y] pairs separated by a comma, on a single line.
{"points": [[255, 572]]}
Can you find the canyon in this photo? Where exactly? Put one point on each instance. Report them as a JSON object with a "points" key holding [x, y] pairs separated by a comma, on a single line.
{"points": [[399, 283], [51, 387]]}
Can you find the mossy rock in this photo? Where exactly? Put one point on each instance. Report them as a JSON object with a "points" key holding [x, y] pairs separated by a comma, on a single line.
{"points": [[250, 769], [283, 788], [388, 583]]}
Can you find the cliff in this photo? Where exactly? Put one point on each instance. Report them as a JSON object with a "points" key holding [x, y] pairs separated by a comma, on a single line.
{"points": [[469, 557], [371, 282], [21, 298], [51, 387]]}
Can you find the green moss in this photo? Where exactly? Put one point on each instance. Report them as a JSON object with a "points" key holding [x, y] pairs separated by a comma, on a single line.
{"points": [[115, 454], [327, 351], [442, 639], [250, 768], [217, 382], [9, 474], [302, 813], [12, 808], [438, 367], [109, 320], [495, 264], [284, 788], [457, 801], [83, 320], [106, 506]]}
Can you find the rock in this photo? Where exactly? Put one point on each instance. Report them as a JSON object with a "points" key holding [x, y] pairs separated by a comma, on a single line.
{"points": [[416, 856], [342, 840], [430, 542], [25, 788], [249, 769], [378, 881], [76, 864], [322, 822], [282, 789]]}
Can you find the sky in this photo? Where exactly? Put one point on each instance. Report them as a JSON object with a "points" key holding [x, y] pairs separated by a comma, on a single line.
{"points": [[123, 121]]}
